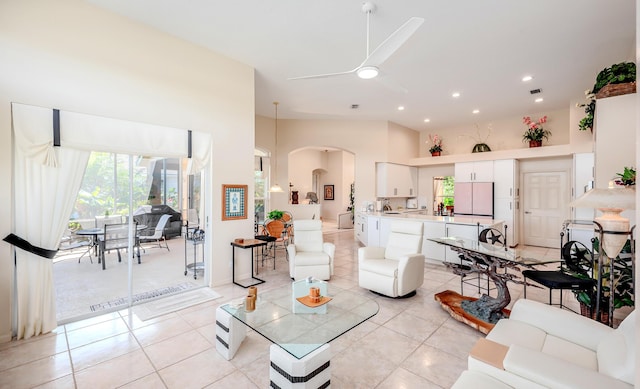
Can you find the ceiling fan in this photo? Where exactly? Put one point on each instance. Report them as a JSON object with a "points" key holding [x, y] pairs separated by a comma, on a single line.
{"points": [[369, 68]]}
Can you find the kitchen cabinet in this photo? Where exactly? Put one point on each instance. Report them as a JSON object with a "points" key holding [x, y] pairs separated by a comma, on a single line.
{"points": [[361, 228], [433, 250], [507, 197], [506, 183], [480, 171], [508, 210], [460, 231], [394, 180], [373, 231]]}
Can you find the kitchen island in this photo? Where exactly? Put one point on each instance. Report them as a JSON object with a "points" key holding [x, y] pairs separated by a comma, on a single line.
{"points": [[372, 229]]}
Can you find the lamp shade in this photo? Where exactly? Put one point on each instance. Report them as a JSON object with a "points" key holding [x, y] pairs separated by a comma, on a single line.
{"points": [[611, 198], [611, 202]]}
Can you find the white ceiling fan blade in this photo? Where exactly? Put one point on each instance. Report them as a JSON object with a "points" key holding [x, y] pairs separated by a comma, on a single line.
{"points": [[322, 75], [392, 85], [393, 42]]}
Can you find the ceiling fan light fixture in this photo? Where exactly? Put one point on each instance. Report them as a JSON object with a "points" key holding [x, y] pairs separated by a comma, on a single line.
{"points": [[367, 72]]}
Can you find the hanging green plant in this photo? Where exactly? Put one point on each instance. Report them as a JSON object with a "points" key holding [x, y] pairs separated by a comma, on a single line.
{"points": [[621, 73]]}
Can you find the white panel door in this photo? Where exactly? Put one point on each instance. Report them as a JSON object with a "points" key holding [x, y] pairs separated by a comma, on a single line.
{"points": [[545, 205]]}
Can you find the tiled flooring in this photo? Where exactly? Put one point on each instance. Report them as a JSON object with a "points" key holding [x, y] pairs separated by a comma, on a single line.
{"points": [[410, 343]]}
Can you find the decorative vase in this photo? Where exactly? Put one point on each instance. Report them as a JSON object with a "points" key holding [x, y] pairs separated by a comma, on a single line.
{"points": [[435, 153], [481, 148], [535, 143]]}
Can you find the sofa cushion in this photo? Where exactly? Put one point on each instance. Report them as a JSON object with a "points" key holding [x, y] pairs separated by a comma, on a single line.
{"points": [[309, 259], [570, 352], [509, 331], [616, 352], [385, 267]]}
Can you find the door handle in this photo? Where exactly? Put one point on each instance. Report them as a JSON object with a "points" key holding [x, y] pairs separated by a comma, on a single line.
{"points": [[527, 212]]}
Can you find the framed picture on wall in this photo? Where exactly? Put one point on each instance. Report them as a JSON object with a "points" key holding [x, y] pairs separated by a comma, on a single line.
{"points": [[328, 192], [234, 202]]}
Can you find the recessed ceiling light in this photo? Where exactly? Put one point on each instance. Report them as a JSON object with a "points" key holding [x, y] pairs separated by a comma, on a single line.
{"points": [[401, 108], [539, 100], [427, 120], [476, 111], [527, 78], [455, 94]]}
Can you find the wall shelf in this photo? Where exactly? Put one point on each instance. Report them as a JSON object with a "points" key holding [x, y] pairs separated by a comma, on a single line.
{"points": [[523, 153]]}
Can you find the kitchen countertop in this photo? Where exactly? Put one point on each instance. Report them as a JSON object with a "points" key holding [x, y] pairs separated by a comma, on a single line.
{"points": [[425, 216]]}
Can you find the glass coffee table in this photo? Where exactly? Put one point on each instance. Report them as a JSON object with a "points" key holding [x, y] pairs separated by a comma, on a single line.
{"points": [[300, 334]]}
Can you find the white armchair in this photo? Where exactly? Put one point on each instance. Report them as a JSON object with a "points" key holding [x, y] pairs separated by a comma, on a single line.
{"points": [[309, 255], [548, 347], [398, 269]]}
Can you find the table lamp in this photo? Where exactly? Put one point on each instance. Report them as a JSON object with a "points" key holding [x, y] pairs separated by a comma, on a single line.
{"points": [[611, 202]]}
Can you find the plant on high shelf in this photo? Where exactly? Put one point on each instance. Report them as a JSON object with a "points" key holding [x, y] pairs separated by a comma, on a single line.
{"points": [[627, 177], [621, 73], [535, 133], [436, 143], [275, 214]]}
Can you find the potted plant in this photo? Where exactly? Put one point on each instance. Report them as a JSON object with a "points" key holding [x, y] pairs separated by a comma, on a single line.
{"points": [[627, 177], [623, 284], [436, 147], [275, 214], [535, 133], [615, 80]]}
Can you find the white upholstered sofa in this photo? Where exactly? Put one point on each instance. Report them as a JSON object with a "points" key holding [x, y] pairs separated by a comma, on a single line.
{"points": [[548, 347], [310, 255], [398, 269]]}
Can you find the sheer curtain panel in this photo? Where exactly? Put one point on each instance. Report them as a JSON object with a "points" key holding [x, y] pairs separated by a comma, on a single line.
{"points": [[46, 181]]}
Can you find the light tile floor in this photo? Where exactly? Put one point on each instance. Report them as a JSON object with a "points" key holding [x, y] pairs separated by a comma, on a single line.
{"points": [[410, 343]]}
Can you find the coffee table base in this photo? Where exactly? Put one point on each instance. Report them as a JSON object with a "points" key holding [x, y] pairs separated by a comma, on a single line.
{"points": [[312, 371], [230, 332]]}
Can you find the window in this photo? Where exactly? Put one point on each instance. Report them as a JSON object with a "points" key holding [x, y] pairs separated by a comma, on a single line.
{"points": [[443, 190]]}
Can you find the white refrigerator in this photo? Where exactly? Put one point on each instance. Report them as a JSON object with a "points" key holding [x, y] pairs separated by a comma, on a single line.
{"points": [[473, 198]]}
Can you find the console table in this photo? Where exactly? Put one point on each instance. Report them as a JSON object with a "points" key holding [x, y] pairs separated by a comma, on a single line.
{"points": [[245, 244]]}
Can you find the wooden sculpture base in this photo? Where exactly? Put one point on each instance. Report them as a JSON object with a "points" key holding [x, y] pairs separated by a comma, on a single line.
{"points": [[451, 300]]}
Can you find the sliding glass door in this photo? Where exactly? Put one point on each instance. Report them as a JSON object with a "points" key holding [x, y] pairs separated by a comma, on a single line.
{"points": [[156, 187]]}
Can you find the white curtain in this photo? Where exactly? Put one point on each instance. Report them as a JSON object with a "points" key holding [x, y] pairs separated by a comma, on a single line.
{"points": [[46, 182]]}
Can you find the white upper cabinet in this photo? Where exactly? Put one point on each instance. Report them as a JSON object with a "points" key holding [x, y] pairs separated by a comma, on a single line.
{"points": [[481, 171], [395, 180], [505, 184]]}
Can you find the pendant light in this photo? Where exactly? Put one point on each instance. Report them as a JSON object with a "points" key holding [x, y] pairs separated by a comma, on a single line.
{"points": [[276, 188]]}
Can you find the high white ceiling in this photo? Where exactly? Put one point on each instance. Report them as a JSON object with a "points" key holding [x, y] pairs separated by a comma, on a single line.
{"points": [[480, 48]]}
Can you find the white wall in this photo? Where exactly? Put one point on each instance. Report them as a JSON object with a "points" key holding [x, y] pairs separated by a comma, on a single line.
{"points": [[301, 164], [367, 140], [74, 56], [403, 144], [614, 142], [338, 170]]}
